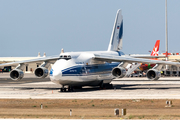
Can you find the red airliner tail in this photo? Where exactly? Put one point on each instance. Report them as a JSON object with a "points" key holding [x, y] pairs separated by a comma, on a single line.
{"points": [[155, 51]]}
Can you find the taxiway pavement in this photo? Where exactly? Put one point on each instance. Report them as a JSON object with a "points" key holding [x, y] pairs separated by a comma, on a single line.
{"points": [[126, 88]]}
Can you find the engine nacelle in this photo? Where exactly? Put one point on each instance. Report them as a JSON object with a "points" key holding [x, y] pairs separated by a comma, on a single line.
{"points": [[153, 74], [16, 74], [41, 72], [119, 72]]}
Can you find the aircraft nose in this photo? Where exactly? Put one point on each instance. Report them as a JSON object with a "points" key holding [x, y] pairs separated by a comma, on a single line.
{"points": [[55, 74]]}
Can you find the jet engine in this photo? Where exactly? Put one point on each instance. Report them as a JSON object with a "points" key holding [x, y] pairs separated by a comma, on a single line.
{"points": [[16, 74], [119, 72], [41, 72], [153, 74]]}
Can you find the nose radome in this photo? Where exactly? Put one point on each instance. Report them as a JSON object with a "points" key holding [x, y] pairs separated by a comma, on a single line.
{"points": [[58, 67], [57, 75]]}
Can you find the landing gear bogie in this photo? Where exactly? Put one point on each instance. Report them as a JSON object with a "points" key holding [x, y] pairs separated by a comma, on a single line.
{"points": [[106, 86], [63, 89], [69, 89]]}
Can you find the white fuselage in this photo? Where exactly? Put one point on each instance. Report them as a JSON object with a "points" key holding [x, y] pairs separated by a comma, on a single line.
{"points": [[80, 69]]}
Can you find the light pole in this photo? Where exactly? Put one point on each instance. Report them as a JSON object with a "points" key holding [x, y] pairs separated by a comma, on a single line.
{"points": [[166, 30]]}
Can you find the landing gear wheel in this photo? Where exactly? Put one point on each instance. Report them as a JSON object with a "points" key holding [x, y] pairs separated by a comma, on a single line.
{"points": [[63, 89], [70, 89], [101, 85], [106, 86]]}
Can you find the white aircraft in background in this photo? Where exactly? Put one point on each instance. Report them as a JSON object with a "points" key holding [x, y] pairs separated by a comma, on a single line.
{"points": [[96, 68]]}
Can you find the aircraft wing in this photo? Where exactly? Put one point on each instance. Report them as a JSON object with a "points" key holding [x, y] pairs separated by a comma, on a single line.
{"points": [[146, 56], [50, 59], [132, 59]]}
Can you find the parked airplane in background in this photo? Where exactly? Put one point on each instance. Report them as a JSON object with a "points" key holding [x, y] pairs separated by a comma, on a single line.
{"points": [[97, 68], [155, 52], [134, 68]]}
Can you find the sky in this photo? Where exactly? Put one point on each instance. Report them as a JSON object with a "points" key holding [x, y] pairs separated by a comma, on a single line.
{"points": [[31, 26]]}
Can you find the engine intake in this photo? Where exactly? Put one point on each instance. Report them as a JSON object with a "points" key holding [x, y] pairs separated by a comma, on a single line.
{"points": [[119, 72], [41, 72], [16, 74], [153, 74]]}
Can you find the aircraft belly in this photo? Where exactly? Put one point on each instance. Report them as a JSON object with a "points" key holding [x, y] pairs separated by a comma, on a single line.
{"points": [[86, 80]]}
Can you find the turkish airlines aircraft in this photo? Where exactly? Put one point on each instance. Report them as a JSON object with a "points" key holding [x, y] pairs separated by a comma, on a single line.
{"points": [[96, 68]]}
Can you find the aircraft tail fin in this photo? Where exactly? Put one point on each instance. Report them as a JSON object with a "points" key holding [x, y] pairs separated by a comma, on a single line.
{"points": [[155, 51], [117, 33]]}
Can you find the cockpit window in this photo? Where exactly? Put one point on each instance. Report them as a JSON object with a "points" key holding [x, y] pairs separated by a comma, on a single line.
{"points": [[66, 57]]}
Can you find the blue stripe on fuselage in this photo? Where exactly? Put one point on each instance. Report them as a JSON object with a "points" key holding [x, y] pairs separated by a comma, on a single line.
{"points": [[89, 69]]}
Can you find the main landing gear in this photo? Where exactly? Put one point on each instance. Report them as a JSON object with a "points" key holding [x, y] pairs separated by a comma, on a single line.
{"points": [[69, 89], [105, 85]]}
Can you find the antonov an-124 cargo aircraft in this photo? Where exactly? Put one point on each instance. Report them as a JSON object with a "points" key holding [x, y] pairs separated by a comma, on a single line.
{"points": [[95, 68]]}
